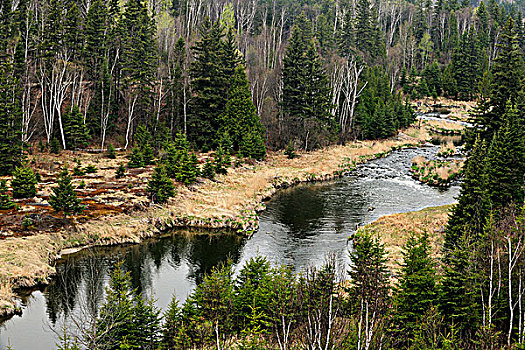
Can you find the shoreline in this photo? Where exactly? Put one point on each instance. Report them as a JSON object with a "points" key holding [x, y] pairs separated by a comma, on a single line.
{"points": [[230, 203]]}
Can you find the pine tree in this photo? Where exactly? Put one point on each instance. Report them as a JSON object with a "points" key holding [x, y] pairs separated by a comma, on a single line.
{"points": [[5, 200], [416, 291], [508, 73], [10, 121], [209, 84], [75, 130], [121, 171], [126, 320], [64, 197], [24, 182], [466, 66], [305, 100], [136, 159], [208, 170], [505, 163], [240, 117], [111, 152], [469, 214], [160, 187]]}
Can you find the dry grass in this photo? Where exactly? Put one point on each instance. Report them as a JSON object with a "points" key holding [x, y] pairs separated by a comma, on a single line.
{"points": [[394, 231], [435, 172], [447, 149], [230, 201]]}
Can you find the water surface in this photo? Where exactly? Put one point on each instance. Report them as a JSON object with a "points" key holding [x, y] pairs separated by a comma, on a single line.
{"points": [[300, 226]]}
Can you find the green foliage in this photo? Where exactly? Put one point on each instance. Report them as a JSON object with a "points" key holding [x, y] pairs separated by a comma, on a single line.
{"points": [[147, 154], [180, 164], [5, 200], [305, 101], [127, 320], [54, 146], [214, 64], [75, 131], [252, 146], [220, 161], [90, 169], [10, 119], [136, 159], [290, 151], [416, 291], [160, 187], [121, 171], [24, 182], [208, 171], [380, 113], [64, 197], [111, 152]]}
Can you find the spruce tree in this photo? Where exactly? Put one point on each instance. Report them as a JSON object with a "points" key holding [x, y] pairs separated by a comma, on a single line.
{"points": [[209, 84], [208, 170], [24, 182], [10, 120], [466, 65], [64, 197], [160, 187], [121, 171], [468, 216], [505, 163], [305, 100], [240, 119], [5, 200], [75, 131], [136, 159], [416, 291]]}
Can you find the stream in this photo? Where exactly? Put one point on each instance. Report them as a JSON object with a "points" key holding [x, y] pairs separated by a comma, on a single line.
{"points": [[300, 226]]}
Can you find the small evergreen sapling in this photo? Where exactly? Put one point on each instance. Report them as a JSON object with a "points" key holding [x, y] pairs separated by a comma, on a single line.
{"points": [[160, 187], [290, 151], [208, 171], [121, 171], [54, 146], [111, 154], [147, 154], [136, 159], [24, 182], [5, 200], [220, 162], [64, 197]]}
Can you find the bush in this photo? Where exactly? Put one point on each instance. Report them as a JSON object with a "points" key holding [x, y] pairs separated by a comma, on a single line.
{"points": [[121, 171], [55, 146], [290, 151], [64, 197], [90, 169], [208, 171], [160, 187], [220, 162], [136, 159], [147, 154], [24, 183], [111, 154], [5, 200]]}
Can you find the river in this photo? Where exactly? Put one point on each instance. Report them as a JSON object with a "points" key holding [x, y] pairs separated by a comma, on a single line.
{"points": [[300, 226]]}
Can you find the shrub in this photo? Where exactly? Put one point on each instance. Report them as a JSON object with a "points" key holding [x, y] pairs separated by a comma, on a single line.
{"points": [[91, 169], [55, 146], [24, 182], [160, 187], [136, 159], [5, 200], [290, 151], [111, 154], [121, 171], [64, 197], [208, 171]]}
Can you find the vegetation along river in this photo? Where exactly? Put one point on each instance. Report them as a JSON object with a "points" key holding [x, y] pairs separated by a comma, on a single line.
{"points": [[300, 226]]}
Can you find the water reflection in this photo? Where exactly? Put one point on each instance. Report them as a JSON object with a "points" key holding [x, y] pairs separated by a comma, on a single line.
{"points": [[300, 226]]}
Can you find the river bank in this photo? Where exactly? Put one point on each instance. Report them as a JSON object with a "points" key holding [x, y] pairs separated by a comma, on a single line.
{"points": [[230, 202]]}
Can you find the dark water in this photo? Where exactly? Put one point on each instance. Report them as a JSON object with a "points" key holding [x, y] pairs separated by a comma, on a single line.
{"points": [[300, 226]]}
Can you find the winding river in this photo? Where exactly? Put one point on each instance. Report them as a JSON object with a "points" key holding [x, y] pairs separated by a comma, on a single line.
{"points": [[300, 226]]}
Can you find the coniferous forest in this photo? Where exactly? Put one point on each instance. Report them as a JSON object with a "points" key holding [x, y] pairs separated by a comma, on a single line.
{"points": [[166, 80]]}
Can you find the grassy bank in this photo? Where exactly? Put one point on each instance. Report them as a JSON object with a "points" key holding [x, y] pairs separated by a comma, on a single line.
{"points": [[230, 202], [394, 230]]}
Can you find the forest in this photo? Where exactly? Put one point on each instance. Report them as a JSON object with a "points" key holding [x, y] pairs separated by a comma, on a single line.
{"points": [[164, 81]]}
